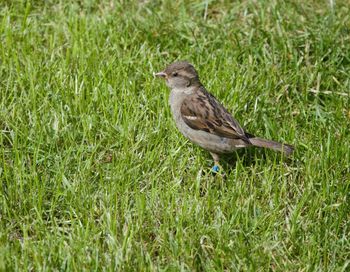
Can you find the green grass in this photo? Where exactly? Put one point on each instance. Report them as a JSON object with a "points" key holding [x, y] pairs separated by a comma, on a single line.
{"points": [[95, 176]]}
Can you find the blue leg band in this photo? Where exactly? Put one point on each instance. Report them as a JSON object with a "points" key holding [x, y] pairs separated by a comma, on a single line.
{"points": [[215, 168]]}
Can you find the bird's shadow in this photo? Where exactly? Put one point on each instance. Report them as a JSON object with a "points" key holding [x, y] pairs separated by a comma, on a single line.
{"points": [[247, 157]]}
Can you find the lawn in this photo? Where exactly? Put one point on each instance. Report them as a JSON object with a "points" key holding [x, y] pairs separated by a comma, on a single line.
{"points": [[95, 176]]}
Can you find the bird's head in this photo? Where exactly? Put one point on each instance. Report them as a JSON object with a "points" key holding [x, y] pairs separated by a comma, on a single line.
{"points": [[179, 75]]}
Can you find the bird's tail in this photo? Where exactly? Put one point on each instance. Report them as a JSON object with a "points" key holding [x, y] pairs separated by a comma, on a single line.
{"points": [[286, 149]]}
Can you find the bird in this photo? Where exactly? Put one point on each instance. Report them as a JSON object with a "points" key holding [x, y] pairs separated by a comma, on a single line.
{"points": [[202, 119]]}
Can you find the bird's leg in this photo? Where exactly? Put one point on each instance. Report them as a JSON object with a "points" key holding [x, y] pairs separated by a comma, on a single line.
{"points": [[216, 167]]}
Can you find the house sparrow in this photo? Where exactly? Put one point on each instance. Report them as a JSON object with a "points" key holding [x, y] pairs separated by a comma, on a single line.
{"points": [[203, 120]]}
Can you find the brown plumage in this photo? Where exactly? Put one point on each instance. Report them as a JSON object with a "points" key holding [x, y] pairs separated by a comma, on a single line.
{"points": [[202, 111], [203, 120]]}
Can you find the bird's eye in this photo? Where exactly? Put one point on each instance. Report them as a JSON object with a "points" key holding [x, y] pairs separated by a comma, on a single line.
{"points": [[175, 74]]}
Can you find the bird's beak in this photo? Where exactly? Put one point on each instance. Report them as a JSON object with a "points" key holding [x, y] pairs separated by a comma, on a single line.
{"points": [[160, 74]]}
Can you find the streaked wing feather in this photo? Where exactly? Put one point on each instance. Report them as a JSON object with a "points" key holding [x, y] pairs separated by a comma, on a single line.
{"points": [[201, 111]]}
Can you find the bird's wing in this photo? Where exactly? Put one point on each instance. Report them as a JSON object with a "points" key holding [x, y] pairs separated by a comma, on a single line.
{"points": [[201, 111]]}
